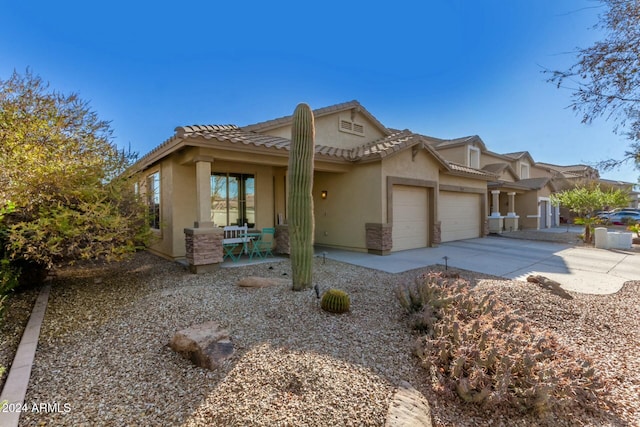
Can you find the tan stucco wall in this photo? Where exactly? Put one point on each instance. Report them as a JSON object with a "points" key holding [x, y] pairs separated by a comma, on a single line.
{"points": [[527, 207], [537, 172], [174, 179], [404, 165], [328, 133], [353, 200], [507, 176], [489, 158], [456, 154], [462, 181]]}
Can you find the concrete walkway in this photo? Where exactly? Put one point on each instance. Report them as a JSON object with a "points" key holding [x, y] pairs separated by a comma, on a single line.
{"points": [[580, 269]]}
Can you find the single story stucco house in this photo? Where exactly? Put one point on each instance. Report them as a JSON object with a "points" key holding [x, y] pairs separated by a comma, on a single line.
{"points": [[375, 189]]}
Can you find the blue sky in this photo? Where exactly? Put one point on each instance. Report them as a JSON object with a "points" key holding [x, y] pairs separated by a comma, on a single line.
{"points": [[444, 68]]}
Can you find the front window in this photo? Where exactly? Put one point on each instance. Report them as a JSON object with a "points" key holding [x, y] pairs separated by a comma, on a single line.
{"points": [[233, 199], [153, 200], [524, 171]]}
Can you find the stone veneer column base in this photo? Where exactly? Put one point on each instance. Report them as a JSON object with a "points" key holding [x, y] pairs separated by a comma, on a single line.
{"points": [[204, 248], [485, 228], [378, 238], [282, 239], [436, 237]]}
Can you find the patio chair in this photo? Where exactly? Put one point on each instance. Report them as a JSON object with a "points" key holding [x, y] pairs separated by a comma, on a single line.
{"points": [[263, 244]]}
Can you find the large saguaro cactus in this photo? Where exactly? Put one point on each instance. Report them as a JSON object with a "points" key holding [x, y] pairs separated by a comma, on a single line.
{"points": [[300, 201]]}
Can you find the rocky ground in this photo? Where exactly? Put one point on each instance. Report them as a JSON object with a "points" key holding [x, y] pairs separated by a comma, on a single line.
{"points": [[17, 310], [103, 349]]}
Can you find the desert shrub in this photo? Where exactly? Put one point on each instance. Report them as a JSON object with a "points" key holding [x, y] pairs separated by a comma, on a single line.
{"points": [[8, 281], [483, 351]]}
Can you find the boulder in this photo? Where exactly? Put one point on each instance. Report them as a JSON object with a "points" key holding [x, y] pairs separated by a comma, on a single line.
{"points": [[550, 285], [207, 345], [408, 407], [261, 282]]}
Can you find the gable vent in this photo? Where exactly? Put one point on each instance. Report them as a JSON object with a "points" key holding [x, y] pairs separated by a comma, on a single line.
{"points": [[345, 125], [348, 126]]}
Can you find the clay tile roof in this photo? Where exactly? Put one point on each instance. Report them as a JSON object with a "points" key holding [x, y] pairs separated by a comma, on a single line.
{"points": [[231, 133], [461, 168], [517, 154], [443, 143], [387, 145], [534, 183], [495, 167], [525, 184]]}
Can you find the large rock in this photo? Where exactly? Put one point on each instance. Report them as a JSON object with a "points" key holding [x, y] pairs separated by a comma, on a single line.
{"points": [[550, 285], [206, 345], [408, 407], [261, 282]]}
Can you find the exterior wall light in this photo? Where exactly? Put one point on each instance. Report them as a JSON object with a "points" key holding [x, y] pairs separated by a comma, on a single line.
{"points": [[323, 194]]}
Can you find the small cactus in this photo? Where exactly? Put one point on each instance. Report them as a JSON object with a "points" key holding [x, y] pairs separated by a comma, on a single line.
{"points": [[335, 301]]}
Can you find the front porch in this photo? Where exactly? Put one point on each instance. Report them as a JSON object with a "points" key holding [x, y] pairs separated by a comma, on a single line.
{"points": [[516, 207]]}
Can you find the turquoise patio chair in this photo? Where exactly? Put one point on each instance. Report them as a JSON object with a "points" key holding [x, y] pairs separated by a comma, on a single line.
{"points": [[263, 244]]}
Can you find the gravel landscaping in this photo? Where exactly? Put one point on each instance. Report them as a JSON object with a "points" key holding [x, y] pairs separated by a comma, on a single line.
{"points": [[103, 349], [18, 308]]}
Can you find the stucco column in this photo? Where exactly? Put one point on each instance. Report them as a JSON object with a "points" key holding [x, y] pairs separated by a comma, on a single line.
{"points": [[203, 194], [495, 209], [512, 204], [203, 242], [511, 220], [496, 222]]}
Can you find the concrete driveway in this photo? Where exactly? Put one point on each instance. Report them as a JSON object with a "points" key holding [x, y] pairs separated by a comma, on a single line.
{"points": [[579, 269]]}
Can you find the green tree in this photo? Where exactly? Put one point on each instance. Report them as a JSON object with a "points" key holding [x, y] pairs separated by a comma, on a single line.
{"points": [[605, 80], [584, 200], [64, 178]]}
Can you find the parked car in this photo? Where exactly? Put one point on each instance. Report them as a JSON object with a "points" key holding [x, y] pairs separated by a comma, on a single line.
{"points": [[624, 217]]}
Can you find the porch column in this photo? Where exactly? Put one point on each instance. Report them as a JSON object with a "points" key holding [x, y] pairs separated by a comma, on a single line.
{"points": [[511, 221], [203, 193], [496, 222], [512, 204], [204, 240], [495, 209]]}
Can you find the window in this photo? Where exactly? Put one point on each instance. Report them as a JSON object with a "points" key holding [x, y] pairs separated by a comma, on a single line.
{"points": [[153, 200], [524, 170], [474, 157], [233, 199]]}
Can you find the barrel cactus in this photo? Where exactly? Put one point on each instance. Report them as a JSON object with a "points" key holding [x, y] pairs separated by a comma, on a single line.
{"points": [[300, 200], [335, 301]]}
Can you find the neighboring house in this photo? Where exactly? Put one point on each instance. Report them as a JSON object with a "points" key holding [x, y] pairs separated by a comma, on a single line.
{"points": [[519, 196], [375, 189]]}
